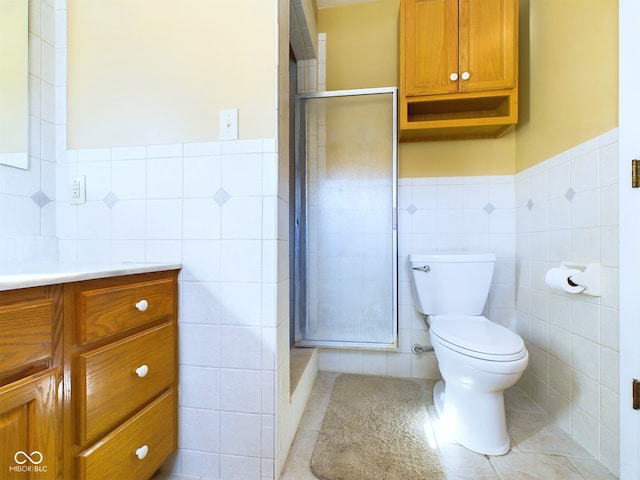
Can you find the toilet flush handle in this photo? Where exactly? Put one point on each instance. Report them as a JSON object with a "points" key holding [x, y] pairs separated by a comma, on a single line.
{"points": [[425, 269]]}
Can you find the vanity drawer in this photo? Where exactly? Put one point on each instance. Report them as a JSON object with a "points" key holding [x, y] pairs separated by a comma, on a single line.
{"points": [[116, 380], [26, 333], [106, 311], [150, 434]]}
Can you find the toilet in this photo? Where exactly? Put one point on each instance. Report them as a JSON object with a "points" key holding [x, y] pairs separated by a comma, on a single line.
{"points": [[478, 359]]}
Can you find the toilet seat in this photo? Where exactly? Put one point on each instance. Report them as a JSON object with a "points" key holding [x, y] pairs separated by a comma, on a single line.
{"points": [[477, 337]]}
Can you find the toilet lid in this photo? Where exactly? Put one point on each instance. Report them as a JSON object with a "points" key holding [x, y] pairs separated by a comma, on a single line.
{"points": [[478, 337]]}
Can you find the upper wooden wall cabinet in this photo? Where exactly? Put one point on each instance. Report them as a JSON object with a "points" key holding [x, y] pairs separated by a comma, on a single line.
{"points": [[458, 68]]}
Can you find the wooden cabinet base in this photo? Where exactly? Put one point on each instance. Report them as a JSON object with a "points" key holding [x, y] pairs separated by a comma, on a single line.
{"points": [[88, 378]]}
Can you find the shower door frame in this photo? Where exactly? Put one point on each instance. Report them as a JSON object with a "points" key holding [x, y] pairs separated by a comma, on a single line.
{"points": [[300, 293]]}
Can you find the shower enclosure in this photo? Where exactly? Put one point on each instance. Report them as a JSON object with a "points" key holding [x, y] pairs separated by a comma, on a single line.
{"points": [[345, 219]]}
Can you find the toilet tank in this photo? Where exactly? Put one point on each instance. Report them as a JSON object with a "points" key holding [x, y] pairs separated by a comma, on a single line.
{"points": [[451, 283]]}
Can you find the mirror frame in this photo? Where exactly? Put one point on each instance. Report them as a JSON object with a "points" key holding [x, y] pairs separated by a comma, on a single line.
{"points": [[15, 38]]}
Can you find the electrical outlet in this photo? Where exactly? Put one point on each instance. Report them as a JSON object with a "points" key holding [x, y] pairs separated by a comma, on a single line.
{"points": [[78, 191]]}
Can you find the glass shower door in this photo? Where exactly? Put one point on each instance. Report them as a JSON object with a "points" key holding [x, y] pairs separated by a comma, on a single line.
{"points": [[346, 242]]}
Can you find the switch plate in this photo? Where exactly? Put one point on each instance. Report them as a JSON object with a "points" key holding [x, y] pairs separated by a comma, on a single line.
{"points": [[229, 124], [78, 191]]}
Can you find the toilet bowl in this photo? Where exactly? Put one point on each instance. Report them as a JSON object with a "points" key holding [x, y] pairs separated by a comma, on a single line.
{"points": [[478, 359]]}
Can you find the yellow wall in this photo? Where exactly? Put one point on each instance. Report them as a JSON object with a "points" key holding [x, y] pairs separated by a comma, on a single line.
{"points": [[451, 159], [362, 52], [362, 44], [568, 81], [569, 75], [159, 71]]}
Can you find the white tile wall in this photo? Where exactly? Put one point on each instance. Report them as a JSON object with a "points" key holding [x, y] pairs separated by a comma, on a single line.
{"points": [[312, 72], [567, 209], [563, 209], [204, 206], [303, 30]]}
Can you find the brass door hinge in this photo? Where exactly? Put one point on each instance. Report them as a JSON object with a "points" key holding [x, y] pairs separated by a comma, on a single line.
{"points": [[635, 388], [635, 173]]}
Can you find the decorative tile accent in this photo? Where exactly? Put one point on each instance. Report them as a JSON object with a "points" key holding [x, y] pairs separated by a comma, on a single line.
{"points": [[40, 198], [530, 204], [110, 199], [221, 197], [489, 208], [570, 194], [412, 209]]}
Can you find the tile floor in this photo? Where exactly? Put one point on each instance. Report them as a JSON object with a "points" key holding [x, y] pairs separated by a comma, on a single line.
{"points": [[540, 449]]}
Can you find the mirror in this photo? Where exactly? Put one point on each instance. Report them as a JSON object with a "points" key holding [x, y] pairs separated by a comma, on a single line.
{"points": [[14, 83]]}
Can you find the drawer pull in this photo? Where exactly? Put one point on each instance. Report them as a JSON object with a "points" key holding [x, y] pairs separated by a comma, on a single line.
{"points": [[142, 371], [142, 452], [142, 305]]}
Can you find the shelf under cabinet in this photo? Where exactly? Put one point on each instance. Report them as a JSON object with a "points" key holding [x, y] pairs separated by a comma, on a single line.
{"points": [[449, 117]]}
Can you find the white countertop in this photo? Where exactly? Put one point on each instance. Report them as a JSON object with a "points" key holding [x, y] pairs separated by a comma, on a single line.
{"points": [[33, 274]]}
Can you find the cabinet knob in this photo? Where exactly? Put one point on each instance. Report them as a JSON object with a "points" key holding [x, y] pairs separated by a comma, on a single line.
{"points": [[453, 77], [142, 305], [142, 452], [142, 371], [465, 75]]}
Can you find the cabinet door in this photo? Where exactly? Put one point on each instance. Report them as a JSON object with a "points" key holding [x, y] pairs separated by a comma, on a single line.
{"points": [[430, 46], [29, 428], [488, 39]]}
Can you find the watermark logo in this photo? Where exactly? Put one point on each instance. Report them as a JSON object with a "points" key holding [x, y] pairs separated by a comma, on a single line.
{"points": [[28, 462], [23, 457]]}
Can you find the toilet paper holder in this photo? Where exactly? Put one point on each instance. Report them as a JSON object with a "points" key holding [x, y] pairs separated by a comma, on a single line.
{"points": [[587, 277]]}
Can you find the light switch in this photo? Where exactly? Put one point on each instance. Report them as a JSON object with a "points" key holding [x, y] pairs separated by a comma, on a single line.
{"points": [[229, 124]]}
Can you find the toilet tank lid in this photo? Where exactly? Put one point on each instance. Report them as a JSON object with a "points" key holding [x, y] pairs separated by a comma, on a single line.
{"points": [[452, 257]]}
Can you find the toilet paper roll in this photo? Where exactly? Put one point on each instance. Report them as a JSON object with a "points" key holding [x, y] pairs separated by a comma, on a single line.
{"points": [[558, 278]]}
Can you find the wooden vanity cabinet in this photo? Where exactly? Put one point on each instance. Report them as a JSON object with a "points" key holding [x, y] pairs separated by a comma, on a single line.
{"points": [[88, 378], [458, 68], [123, 363], [30, 366]]}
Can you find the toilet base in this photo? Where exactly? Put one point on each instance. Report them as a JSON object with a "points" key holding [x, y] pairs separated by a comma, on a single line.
{"points": [[438, 397], [476, 420]]}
